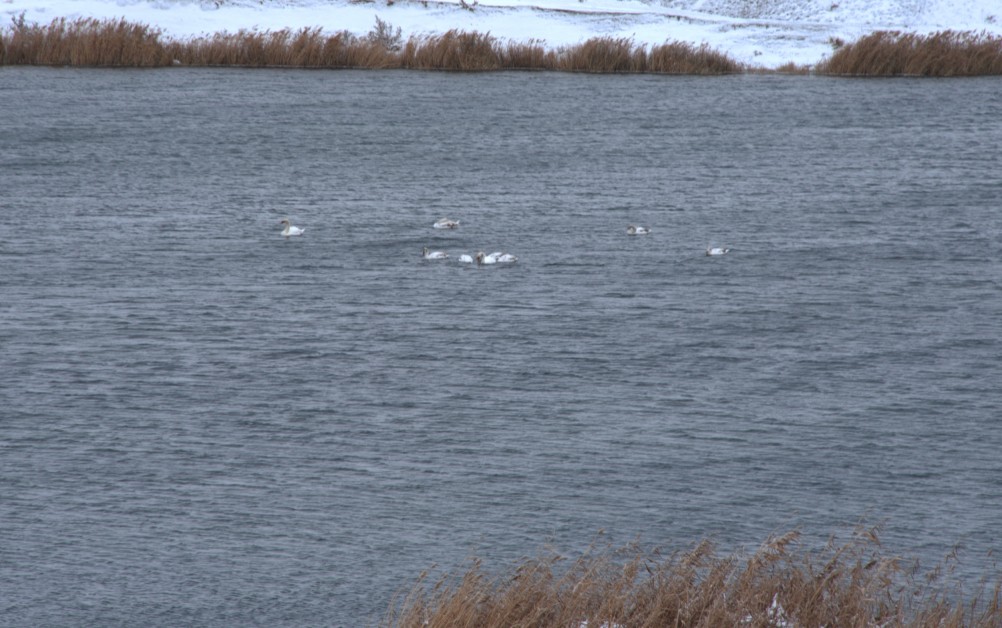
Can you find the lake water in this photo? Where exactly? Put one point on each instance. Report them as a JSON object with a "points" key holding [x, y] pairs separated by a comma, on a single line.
{"points": [[203, 423]]}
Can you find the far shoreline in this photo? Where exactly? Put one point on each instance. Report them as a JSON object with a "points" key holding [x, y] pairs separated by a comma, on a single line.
{"points": [[89, 42]]}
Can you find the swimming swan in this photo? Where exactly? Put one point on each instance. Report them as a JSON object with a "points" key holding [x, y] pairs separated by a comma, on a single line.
{"points": [[290, 230], [634, 230], [433, 254], [716, 250], [445, 223], [497, 257], [466, 259]]}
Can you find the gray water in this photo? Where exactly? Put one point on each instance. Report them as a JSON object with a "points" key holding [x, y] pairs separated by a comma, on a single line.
{"points": [[203, 423]]}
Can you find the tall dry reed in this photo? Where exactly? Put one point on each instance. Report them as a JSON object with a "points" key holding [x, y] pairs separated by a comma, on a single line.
{"points": [[604, 55], [88, 42], [82, 42], [528, 56], [782, 584], [891, 53], [683, 58], [117, 43], [454, 50]]}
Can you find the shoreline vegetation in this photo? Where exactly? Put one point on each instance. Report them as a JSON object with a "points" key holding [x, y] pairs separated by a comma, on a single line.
{"points": [[87, 42], [781, 585]]}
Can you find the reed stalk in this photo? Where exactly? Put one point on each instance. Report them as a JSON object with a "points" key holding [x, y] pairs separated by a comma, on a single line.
{"points": [[853, 583]]}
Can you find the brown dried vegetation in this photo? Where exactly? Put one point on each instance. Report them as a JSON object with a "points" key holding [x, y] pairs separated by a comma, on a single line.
{"points": [[782, 584], [88, 42], [891, 53], [83, 42], [95, 43]]}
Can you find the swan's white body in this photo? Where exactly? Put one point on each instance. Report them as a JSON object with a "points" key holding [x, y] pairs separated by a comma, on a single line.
{"points": [[716, 250], [483, 258], [290, 230], [446, 223], [466, 259], [433, 254], [497, 257], [634, 230]]}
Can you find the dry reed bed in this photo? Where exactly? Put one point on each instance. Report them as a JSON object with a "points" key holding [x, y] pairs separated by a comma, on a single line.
{"points": [[782, 584], [96, 43], [82, 42], [946, 53], [88, 42]]}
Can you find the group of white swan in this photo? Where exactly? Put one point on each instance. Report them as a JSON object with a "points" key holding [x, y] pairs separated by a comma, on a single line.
{"points": [[480, 259], [496, 257]]}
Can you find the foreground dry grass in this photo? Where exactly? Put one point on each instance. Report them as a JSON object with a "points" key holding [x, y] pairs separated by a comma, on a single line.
{"points": [[96, 43], [851, 584]]}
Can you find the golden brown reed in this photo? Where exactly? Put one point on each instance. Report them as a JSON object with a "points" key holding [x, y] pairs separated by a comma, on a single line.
{"points": [[454, 50], [793, 68], [604, 55], [306, 48], [781, 584], [117, 43], [528, 56], [82, 42], [684, 58], [892, 53], [88, 42]]}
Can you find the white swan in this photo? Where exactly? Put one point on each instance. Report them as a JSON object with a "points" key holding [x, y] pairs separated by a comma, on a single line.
{"points": [[290, 230], [716, 250], [433, 254], [634, 230], [466, 259], [445, 223], [497, 257], [482, 258]]}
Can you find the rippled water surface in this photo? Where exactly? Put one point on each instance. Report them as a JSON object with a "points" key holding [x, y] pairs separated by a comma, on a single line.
{"points": [[202, 423]]}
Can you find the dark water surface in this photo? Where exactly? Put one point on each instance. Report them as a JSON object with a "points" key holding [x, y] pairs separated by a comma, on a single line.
{"points": [[202, 423]]}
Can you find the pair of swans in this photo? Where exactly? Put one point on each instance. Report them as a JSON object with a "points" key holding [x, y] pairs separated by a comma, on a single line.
{"points": [[291, 230], [634, 230]]}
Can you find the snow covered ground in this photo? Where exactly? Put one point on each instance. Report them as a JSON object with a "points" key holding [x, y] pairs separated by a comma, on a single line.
{"points": [[766, 33]]}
